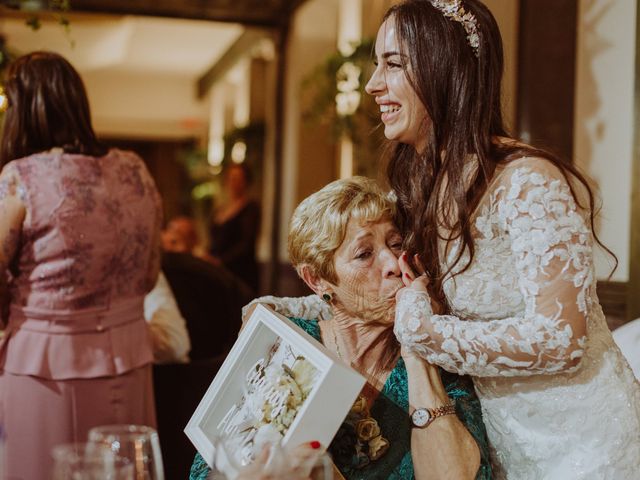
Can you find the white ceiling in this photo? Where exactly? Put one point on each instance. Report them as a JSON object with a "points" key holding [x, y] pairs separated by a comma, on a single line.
{"points": [[136, 44], [141, 73]]}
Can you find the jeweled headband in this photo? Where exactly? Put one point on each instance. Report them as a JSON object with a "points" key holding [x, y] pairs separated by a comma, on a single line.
{"points": [[454, 10]]}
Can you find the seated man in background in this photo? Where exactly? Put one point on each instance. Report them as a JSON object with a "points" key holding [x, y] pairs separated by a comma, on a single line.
{"points": [[209, 296], [180, 235], [208, 300]]}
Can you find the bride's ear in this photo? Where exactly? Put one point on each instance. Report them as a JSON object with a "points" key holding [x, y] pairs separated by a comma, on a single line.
{"points": [[313, 281]]}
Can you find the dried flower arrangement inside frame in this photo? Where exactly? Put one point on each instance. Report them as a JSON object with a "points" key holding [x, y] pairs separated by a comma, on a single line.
{"points": [[360, 440], [275, 390]]}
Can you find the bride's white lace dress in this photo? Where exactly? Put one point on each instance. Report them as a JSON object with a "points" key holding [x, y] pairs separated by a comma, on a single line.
{"points": [[559, 400]]}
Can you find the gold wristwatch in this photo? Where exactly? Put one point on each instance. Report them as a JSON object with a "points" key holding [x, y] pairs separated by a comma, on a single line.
{"points": [[423, 417]]}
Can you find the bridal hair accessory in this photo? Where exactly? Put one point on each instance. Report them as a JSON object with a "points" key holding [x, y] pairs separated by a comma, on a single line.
{"points": [[327, 297], [454, 10]]}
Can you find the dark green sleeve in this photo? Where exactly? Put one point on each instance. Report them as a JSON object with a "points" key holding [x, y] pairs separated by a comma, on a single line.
{"points": [[199, 469], [469, 412], [309, 326]]}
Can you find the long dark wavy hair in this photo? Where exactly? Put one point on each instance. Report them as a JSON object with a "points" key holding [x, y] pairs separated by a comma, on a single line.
{"points": [[47, 108], [461, 92]]}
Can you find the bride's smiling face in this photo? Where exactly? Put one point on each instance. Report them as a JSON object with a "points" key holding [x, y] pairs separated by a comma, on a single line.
{"points": [[403, 114], [366, 265]]}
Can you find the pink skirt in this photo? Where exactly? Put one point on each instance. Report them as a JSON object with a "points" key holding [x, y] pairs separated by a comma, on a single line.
{"points": [[38, 414]]}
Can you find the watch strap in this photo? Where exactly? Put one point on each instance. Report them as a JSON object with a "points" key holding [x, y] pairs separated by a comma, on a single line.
{"points": [[449, 409]]}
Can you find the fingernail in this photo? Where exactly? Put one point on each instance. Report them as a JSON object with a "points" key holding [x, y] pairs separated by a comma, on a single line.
{"points": [[404, 255], [407, 275], [315, 444]]}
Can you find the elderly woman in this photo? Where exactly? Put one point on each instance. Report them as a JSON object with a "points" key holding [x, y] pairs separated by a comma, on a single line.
{"points": [[344, 245]]}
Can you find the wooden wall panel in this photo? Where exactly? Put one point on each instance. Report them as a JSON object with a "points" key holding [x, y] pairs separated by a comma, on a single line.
{"points": [[546, 73]]}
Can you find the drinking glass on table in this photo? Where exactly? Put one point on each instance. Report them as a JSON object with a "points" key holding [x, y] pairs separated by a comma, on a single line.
{"points": [[137, 443], [89, 461]]}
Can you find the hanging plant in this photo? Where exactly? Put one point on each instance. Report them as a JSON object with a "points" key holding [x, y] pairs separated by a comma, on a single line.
{"points": [[248, 142], [36, 9], [336, 88]]}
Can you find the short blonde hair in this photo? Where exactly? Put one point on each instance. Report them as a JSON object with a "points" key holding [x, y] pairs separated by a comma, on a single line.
{"points": [[319, 224]]}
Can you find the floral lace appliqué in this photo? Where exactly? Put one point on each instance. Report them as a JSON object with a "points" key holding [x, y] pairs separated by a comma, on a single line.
{"points": [[534, 219]]}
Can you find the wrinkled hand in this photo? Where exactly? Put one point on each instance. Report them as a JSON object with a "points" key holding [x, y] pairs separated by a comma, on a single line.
{"points": [[248, 310]]}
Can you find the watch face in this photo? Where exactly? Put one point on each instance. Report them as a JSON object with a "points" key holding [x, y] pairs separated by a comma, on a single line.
{"points": [[420, 417]]}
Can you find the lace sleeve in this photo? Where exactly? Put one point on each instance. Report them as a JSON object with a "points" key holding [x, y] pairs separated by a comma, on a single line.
{"points": [[307, 308], [551, 247]]}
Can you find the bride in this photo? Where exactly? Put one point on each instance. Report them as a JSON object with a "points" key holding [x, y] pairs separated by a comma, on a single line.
{"points": [[501, 236], [508, 293]]}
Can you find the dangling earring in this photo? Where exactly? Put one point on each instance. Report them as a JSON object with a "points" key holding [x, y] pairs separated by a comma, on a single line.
{"points": [[327, 297]]}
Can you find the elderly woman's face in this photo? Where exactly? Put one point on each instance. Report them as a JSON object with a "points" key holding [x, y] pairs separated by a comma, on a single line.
{"points": [[366, 265]]}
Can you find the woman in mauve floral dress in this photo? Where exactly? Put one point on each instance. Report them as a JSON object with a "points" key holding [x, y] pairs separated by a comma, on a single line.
{"points": [[79, 249]]}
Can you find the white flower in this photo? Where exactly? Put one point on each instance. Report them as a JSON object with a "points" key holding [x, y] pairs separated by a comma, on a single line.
{"points": [[414, 324], [348, 77], [304, 374], [514, 191], [347, 103], [537, 179], [450, 346], [536, 210]]}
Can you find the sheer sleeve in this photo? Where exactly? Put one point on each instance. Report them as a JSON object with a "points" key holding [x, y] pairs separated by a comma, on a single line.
{"points": [[310, 307], [551, 249]]}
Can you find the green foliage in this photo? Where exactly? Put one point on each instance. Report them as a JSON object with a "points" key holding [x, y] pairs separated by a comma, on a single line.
{"points": [[321, 87], [57, 9], [205, 178]]}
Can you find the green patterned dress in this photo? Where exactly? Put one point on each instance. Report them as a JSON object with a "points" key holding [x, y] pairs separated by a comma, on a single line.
{"points": [[391, 409]]}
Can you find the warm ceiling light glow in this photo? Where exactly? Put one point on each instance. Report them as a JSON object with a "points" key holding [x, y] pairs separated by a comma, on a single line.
{"points": [[239, 152], [215, 155]]}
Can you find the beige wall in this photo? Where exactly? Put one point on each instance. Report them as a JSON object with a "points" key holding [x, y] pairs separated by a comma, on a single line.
{"points": [[309, 155], [604, 129], [143, 105], [506, 13]]}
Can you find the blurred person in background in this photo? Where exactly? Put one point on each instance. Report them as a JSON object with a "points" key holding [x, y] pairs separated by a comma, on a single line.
{"points": [[207, 294], [235, 227], [180, 235], [79, 235]]}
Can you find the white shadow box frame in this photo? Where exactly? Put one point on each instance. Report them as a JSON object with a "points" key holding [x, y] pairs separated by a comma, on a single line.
{"points": [[320, 415]]}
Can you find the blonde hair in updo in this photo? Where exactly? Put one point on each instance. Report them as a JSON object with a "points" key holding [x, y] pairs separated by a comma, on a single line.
{"points": [[319, 224]]}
